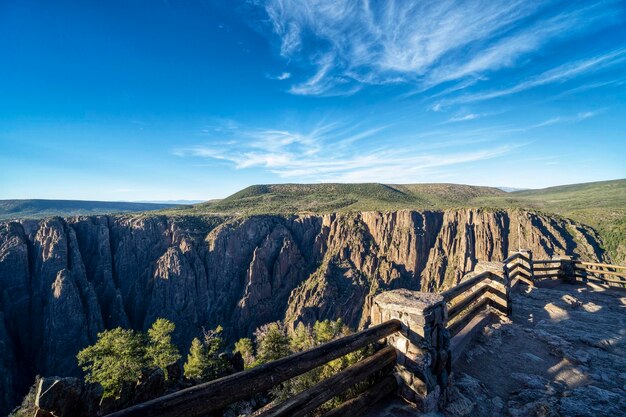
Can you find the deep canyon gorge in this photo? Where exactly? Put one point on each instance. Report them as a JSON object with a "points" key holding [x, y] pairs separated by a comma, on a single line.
{"points": [[63, 280]]}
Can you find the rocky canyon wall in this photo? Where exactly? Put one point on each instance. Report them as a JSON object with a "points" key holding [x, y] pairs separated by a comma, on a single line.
{"points": [[64, 280]]}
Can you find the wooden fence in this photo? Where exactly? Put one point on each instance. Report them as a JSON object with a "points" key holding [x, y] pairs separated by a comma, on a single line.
{"points": [[570, 270], [208, 397], [462, 309], [611, 275]]}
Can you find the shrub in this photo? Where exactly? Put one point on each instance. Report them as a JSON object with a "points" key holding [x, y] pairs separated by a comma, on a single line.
{"points": [[117, 357], [203, 362], [246, 349], [160, 351], [272, 342]]}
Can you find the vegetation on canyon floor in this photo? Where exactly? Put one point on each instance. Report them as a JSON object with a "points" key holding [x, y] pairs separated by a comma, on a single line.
{"points": [[119, 356]]}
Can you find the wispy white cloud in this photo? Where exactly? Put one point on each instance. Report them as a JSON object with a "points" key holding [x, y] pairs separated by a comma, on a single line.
{"points": [[328, 153], [560, 74], [464, 118], [280, 77], [425, 43], [570, 119]]}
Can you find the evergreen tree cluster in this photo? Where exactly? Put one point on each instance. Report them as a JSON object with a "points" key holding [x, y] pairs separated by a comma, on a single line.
{"points": [[120, 355], [273, 341]]}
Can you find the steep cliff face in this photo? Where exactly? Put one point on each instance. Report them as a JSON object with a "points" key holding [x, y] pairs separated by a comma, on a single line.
{"points": [[63, 281]]}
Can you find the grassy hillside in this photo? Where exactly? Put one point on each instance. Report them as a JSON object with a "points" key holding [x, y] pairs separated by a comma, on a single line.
{"points": [[37, 209], [601, 205], [327, 198]]}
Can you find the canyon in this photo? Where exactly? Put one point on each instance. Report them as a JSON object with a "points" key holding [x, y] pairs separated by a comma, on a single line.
{"points": [[63, 280]]}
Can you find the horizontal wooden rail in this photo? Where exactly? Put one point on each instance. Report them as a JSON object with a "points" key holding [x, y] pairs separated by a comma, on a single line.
{"points": [[308, 400], [598, 279], [599, 264], [521, 266], [357, 406], [511, 258], [546, 268], [457, 308], [517, 259], [468, 316], [600, 272], [521, 275], [498, 300], [553, 275], [210, 396], [464, 285], [547, 261]]}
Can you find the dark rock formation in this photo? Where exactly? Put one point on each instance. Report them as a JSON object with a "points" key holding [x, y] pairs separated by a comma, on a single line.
{"points": [[64, 280], [66, 397]]}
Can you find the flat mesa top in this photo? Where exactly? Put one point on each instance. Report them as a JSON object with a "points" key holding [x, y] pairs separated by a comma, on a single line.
{"points": [[413, 302]]}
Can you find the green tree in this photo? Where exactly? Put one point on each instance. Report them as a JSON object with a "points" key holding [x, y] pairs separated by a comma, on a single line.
{"points": [[272, 342], [301, 338], [196, 365], [161, 351], [203, 362], [117, 357], [246, 349], [325, 331], [214, 343]]}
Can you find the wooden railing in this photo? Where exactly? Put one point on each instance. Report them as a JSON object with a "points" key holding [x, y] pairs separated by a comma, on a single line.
{"points": [[547, 269], [567, 269], [472, 296], [612, 275], [519, 266], [208, 397], [413, 323]]}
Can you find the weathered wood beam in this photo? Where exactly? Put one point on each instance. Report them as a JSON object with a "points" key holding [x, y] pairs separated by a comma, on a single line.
{"points": [[540, 276], [600, 265], [522, 267], [598, 272], [210, 396], [465, 334], [472, 296], [308, 400], [547, 261], [511, 258], [453, 328], [546, 268], [595, 278], [359, 405], [464, 285]]}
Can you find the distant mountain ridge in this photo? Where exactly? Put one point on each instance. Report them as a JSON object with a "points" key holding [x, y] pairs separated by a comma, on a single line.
{"points": [[41, 208]]}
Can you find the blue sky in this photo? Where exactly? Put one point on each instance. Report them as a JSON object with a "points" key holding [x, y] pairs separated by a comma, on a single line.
{"points": [[157, 100]]}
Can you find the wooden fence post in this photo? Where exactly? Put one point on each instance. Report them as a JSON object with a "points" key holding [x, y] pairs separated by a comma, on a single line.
{"points": [[423, 346], [529, 254], [566, 270]]}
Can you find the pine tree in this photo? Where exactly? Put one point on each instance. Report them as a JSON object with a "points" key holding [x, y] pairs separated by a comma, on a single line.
{"points": [[301, 338], [272, 342], [160, 351], [117, 357], [196, 365], [203, 362], [245, 348]]}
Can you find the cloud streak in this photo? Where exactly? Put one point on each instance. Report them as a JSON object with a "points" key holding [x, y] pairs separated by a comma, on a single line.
{"points": [[559, 74], [427, 43], [327, 153]]}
